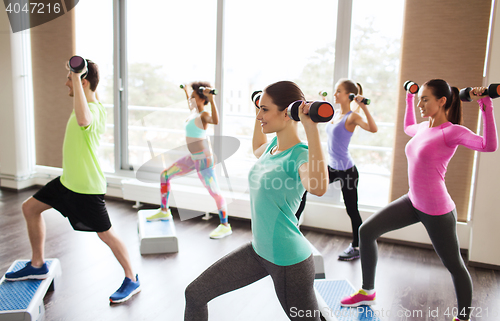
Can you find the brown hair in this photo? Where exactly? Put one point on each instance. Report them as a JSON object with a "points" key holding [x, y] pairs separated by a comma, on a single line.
{"points": [[351, 87], [92, 74], [283, 93], [196, 85], [453, 106]]}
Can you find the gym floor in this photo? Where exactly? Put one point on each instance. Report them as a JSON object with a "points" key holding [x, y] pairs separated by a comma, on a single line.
{"points": [[409, 279]]}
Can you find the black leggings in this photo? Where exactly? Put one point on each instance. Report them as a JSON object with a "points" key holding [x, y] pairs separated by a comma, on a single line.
{"points": [[442, 230], [293, 284], [349, 183]]}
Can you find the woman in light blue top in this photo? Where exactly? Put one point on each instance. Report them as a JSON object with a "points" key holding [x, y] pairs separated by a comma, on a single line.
{"points": [[201, 157], [340, 164], [285, 169]]}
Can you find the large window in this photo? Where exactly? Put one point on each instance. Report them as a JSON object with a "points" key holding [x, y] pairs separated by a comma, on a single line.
{"points": [[269, 41], [254, 45], [374, 63], [171, 45], [90, 23]]}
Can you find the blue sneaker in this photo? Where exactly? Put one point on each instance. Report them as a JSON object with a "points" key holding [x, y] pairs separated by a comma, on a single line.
{"points": [[126, 290], [28, 272]]}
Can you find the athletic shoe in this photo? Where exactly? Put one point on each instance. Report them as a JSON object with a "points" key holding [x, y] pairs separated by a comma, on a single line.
{"points": [[358, 298], [126, 290], [221, 231], [159, 215], [349, 254], [28, 272]]}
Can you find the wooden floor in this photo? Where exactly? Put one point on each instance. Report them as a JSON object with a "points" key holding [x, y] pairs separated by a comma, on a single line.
{"points": [[410, 280]]}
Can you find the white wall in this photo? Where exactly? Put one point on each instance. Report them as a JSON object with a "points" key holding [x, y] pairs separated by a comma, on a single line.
{"points": [[6, 94], [16, 128], [485, 235]]}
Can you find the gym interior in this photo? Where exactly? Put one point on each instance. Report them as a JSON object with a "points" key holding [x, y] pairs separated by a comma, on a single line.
{"points": [[145, 50]]}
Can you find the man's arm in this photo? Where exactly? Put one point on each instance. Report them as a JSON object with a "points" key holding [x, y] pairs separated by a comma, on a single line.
{"points": [[80, 105]]}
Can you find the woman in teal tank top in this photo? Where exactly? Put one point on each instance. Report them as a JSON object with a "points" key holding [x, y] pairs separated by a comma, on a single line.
{"points": [[285, 169], [200, 158]]}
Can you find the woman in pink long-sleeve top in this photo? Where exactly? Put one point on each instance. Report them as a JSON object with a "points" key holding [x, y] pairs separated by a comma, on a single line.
{"points": [[429, 151]]}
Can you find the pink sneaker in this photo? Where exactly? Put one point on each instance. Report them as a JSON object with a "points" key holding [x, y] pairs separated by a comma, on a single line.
{"points": [[357, 299]]}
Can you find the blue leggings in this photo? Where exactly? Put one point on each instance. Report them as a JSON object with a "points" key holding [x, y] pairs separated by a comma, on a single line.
{"points": [[442, 230]]}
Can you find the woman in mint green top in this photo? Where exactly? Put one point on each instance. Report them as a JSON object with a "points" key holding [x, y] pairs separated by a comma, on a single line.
{"points": [[285, 169], [276, 190]]}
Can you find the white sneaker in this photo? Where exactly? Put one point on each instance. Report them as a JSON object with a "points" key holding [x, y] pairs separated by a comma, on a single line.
{"points": [[221, 231]]}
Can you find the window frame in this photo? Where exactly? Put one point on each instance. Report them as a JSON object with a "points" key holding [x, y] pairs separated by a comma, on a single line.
{"points": [[122, 164]]}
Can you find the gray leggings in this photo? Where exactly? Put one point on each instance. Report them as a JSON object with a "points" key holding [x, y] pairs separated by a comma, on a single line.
{"points": [[293, 284], [443, 235]]}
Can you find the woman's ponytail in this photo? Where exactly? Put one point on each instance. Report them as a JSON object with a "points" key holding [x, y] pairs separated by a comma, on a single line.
{"points": [[454, 110], [360, 89]]}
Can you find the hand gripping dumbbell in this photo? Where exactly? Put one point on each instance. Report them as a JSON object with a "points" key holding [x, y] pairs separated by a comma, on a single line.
{"points": [[493, 91], [411, 86], [256, 97], [201, 89], [323, 93], [319, 111], [365, 101], [76, 64]]}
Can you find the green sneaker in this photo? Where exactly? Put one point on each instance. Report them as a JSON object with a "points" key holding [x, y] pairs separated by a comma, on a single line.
{"points": [[221, 231], [159, 215]]}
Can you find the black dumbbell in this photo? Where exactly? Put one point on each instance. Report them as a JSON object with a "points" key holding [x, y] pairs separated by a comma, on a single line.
{"points": [[320, 111], [76, 64], [411, 86], [256, 97], [201, 89], [323, 93], [365, 101], [493, 91]]}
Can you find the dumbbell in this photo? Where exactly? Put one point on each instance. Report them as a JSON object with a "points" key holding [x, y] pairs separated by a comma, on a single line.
{"points": [[411, 86], [365, 101], [320, 111], [323, 93], [201, 89], [493, 91], [182, 86], [256, 97], [76, 64]]}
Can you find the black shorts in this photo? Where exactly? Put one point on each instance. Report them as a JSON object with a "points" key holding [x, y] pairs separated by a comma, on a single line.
{"points": [[85, 212]]}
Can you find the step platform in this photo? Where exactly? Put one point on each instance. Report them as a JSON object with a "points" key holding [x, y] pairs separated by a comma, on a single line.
{"points": [[319, 264], [23, 300], [330, 292], [157, 236]]}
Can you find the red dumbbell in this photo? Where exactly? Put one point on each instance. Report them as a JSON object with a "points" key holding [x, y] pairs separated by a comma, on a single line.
{"points": [[411, 86], [493, 91], [256, 97], [320, 111]]}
